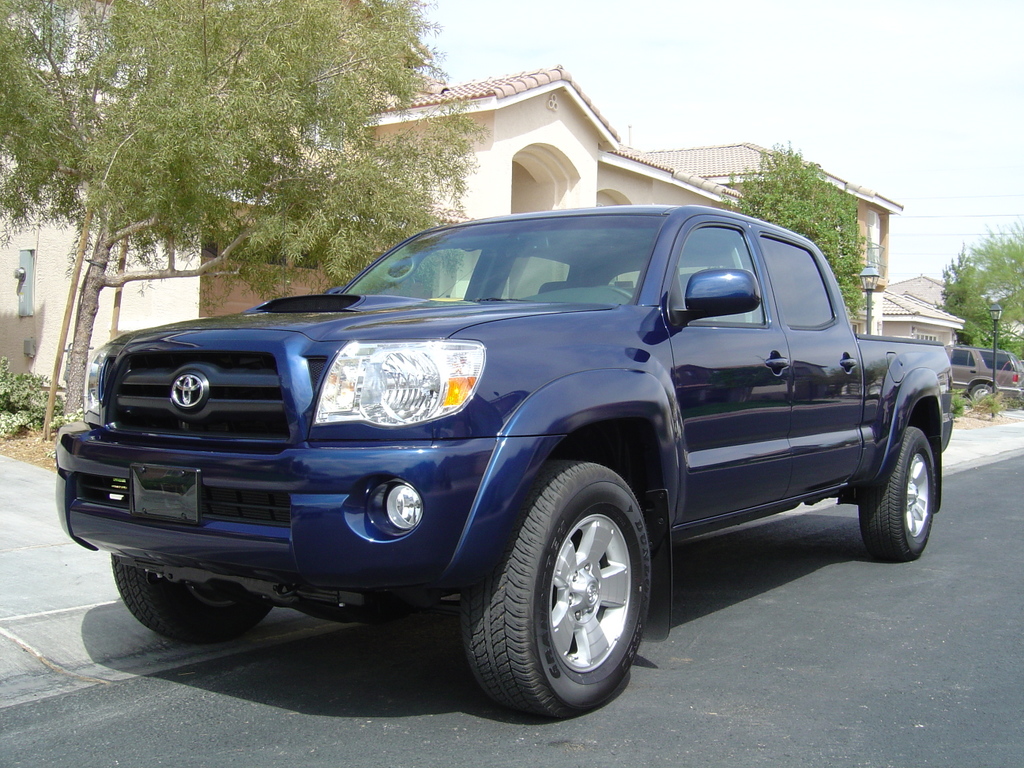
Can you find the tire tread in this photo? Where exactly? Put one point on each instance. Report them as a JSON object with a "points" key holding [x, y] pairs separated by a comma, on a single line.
{"points": [[496, 627]]}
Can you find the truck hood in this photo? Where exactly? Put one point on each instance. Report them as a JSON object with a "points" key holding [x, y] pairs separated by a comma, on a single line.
{"points": [[368, 317]]}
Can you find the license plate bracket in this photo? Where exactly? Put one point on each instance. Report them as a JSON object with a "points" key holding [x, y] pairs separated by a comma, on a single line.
{"points": [[165, 493]]}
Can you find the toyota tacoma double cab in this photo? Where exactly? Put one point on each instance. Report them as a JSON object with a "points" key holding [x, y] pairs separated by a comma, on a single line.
{"points": [[517, 417]]}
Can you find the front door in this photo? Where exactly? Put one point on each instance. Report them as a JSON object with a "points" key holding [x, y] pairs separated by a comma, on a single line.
{"points": [[732, 384]]}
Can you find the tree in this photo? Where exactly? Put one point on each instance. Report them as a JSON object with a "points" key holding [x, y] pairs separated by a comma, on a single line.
{"points": [[246, 128], [963, 296], [999, 259], [793, 193]]}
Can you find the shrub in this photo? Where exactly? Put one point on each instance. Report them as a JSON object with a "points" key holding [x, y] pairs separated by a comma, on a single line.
{"points": [[22, 400], [989, 405]]}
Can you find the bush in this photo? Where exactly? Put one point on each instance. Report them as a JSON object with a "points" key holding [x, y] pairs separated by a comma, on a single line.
{"points": [[989, 405], [22, 400]]}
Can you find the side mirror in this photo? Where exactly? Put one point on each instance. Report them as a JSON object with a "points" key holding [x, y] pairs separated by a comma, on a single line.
{"points": [[713, 292]]}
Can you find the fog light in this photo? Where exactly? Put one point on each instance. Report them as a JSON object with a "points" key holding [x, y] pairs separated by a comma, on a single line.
{"points": [[404, 506]]}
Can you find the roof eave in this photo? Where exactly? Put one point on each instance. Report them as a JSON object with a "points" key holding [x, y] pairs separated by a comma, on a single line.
{"points": [[695, 184], [490, 103]]}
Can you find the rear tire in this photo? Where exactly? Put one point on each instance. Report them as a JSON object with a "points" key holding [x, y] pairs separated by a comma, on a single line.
{"points": [[896, 516], [182, 612], [980, 391], [555, 627]]}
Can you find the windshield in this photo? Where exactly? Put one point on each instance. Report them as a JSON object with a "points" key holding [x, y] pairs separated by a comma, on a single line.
{"points": [[573, 259]]}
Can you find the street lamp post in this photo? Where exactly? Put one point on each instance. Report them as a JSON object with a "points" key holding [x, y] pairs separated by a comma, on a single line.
{"points": [[869, 277], [996, 311]]}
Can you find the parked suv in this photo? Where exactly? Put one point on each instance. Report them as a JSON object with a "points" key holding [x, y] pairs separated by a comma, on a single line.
{"points": [[972, 370]]}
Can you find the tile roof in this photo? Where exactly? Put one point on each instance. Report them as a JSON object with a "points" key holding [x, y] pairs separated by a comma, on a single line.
{"points": [[926, 288], [720, 161], [505, 87], [904, 305], [645, 158]]}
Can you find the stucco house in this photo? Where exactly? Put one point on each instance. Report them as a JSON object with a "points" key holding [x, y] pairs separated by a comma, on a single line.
{"points": [[927, 289], [903, 314], [910, 308], [545, 146]]}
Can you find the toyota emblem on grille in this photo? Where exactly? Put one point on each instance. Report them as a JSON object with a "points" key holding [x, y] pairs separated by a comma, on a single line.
{"points": [[189, 391]]}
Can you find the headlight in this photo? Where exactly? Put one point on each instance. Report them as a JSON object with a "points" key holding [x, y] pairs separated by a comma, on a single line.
{"points": [[400, 383], [96, 381]]}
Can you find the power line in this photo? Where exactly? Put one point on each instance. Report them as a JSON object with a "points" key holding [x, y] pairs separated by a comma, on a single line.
{"points": [[965, 216], [960, 197]]}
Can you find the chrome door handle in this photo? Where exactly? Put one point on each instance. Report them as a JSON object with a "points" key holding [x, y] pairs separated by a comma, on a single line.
{"points": [[777, 363]]}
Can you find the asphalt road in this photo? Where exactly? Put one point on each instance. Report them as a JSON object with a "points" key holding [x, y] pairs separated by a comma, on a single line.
{"points": [[791, 648]]}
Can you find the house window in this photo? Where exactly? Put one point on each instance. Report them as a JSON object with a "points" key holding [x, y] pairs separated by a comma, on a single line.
{"points": [[875, 254]]}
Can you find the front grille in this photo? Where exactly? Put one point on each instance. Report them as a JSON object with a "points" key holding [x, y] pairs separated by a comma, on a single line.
{"points": [[257, 506], [266, 507], [241, 395]]}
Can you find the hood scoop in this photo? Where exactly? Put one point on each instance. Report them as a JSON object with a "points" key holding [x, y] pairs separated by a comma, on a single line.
{"points": [[331, 302]]}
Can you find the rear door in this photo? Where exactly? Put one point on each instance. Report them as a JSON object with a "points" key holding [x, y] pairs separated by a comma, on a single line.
{"points": [[827, 395]]}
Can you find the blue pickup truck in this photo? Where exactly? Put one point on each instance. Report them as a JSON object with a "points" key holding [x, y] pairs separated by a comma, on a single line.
{"points": [[514, 419]]}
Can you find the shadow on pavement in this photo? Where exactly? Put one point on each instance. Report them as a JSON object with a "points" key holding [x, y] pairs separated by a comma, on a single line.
{"points": [[717, 572], [415, 666]]}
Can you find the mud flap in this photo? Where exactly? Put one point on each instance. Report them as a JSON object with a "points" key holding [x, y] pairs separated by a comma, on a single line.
{"points": [[659, 614]]}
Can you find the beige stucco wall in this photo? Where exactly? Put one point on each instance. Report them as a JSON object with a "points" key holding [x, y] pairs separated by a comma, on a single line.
{"points": [[647, 189], [552, 123], [911, 329], [552, 128], [863, 206], [142, 304], [52, 248]]}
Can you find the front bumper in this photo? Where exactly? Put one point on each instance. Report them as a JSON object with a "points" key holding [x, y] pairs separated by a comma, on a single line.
{"points": [[327, 538]]}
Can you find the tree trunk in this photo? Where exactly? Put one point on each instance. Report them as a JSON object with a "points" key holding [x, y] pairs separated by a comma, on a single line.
{"points": [[85, 320]]}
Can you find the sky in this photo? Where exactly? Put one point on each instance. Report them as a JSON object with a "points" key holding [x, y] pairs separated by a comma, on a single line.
{"points": [[919, 100]]}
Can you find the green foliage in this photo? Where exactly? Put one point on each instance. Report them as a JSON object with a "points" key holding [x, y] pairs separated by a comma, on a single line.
{"points": [[795, 194], [198, 121], [990, 405], [991, 271], [22, 400], [999, 260], [252, 126], [964, 296]]}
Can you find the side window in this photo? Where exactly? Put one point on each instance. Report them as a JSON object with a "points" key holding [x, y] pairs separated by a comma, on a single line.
{"points": [[962, 357], [798, 283], [717, 248]]}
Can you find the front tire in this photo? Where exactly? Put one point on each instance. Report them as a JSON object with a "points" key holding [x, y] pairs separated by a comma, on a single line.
{"points": [[554, 629], [182, 612], [896, 517]]}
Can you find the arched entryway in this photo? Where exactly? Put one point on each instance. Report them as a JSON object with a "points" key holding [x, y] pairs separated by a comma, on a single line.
{"points": [[543, 179]]}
